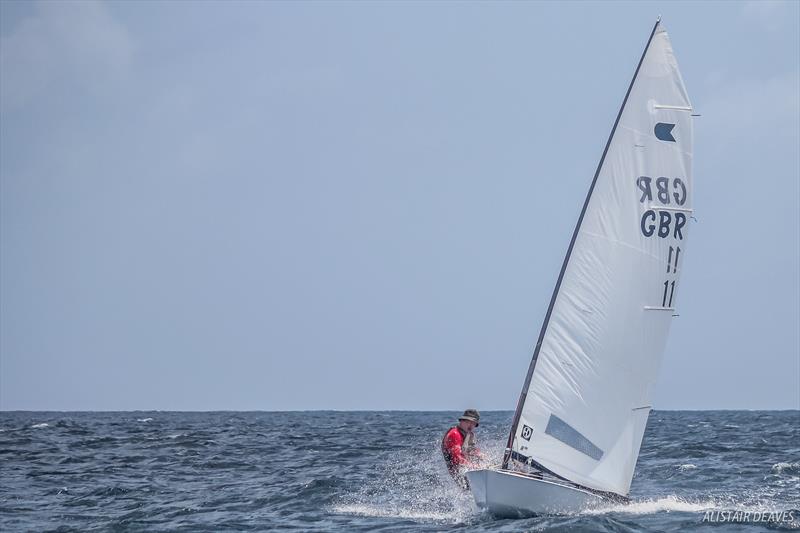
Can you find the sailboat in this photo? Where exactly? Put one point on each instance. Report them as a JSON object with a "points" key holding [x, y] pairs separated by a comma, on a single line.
{"points": [[581, 416]]}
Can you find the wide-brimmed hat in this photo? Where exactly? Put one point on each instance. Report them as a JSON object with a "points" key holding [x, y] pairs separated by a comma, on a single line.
{"points": [[472, 415]]}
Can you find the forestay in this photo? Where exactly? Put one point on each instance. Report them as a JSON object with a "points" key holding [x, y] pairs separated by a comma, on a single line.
{"points": [[584, 411]]}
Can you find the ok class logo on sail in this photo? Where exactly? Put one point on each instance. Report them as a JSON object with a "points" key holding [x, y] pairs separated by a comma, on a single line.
{"points": [[668, 192], [663, 132]]}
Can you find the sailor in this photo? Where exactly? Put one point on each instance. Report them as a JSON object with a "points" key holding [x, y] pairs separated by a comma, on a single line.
{"points": [[459, 447]]}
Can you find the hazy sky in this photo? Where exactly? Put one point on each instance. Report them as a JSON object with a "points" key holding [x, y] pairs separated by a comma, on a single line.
{"points": [[327, 205]]}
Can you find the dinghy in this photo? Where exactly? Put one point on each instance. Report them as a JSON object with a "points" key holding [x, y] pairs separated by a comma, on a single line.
{"points": [[580, 418]]}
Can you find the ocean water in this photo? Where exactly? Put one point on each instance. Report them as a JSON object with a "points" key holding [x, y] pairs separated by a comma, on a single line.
{"points": [[364, 471]]}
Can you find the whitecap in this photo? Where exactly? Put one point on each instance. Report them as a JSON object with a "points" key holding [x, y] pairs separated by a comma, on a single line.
{"points": [[788, 468], [144, 419], [667, 504], [42, 425], [688, 466]]}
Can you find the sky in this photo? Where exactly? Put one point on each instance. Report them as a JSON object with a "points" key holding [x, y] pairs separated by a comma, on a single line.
{"points": [[365, 205]]}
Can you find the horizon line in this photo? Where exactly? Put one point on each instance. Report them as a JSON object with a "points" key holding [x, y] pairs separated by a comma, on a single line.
{"points": [[339, 410]]}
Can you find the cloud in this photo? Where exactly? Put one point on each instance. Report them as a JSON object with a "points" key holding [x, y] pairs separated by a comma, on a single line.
{"points": [[78, 40]]}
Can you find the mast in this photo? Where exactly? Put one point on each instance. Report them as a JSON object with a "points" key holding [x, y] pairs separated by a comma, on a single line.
{"points": [[532, 366]]}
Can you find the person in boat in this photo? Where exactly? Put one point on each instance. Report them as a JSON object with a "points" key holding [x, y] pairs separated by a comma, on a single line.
{"points": [[459, 447]]}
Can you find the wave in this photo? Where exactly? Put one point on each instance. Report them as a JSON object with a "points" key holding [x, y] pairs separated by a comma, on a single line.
{"points": [[785, 468]]}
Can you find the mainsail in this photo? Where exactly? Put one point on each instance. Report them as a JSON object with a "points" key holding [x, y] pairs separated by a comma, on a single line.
{"points": [[586, 398]]}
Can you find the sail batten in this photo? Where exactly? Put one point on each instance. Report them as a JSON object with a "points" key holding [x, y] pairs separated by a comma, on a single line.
{"points": [[580, 415]]}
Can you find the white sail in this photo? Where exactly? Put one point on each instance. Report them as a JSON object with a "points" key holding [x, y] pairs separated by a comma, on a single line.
{"points": [[588, 400]]}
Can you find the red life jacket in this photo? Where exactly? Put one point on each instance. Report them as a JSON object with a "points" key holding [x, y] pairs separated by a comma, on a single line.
{"points": [[453, 448]]}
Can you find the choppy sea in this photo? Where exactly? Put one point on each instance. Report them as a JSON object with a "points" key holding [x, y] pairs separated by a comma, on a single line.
{"points": [[366, 471]]}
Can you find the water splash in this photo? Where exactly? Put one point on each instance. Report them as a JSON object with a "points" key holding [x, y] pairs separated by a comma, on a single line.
{"points": [[411, 485], [375, 511]]}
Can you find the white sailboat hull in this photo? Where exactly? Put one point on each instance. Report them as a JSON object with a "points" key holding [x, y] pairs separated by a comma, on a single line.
{"points": [[510, 494]]}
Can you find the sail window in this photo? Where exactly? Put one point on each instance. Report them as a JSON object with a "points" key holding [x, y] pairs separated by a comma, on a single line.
{"points": [[560, 430]]}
